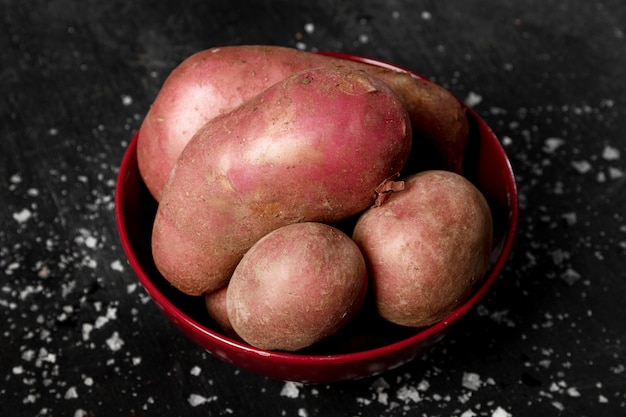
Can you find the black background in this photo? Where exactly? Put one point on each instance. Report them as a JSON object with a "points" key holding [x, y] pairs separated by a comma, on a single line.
{"points": [[79, 336]]}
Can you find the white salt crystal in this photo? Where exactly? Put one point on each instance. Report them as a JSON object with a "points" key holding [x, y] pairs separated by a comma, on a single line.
{"points": [[581, 166], [115, 342], [552, 144], [570, 276], [290, 389], [501, 412], [610, 153], [471, 380], [23, 215], [117, 266], [407, 393], [195, 371], [196, 400], [473, 99], [615, 173], [71, 393]]}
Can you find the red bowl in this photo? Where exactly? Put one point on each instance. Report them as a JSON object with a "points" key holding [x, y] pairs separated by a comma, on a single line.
{"points": [[135, 209]]}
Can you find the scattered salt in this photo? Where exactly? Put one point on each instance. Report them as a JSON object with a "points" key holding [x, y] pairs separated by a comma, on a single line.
{"points": [[501, 412], [115, 342], [117, 266], [471, 381], [610, 153], [291, 389], [195, 371], [552, 144], [473, 99], [570, 276], [71, 393], [581, 166], [406, 393], [195, 400], [23, 215], [570, 218], [615, 173]]}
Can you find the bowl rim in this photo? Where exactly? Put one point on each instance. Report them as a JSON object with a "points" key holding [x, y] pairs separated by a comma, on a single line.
{"points": [[307, 358]]}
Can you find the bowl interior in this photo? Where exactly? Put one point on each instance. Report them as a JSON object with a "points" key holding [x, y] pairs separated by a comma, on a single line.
{"points": [[487, 166]]}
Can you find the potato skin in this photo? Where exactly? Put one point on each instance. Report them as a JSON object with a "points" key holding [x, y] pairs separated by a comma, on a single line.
{"points": [[216, 80], [426, 247], [296, 286], [215, 303], [313, 147]]}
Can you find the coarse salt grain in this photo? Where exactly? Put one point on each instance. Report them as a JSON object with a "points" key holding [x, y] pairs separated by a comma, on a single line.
{"points": [[581, 166], [71, 393], [501, 412], [610, 153], [22, 216], [195, 399], [117, 266], [471, 381], [291, 389], [115, 342], [407, 393], [552, 144], [473, 99]]}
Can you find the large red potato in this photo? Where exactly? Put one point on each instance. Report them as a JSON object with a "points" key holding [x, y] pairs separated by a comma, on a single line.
{"points": [[215, 81], [296, 286], [426, 247], [313, 147]]}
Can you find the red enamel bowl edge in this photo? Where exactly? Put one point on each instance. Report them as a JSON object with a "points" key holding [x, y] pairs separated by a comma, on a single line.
{"points": [[134, 212]]}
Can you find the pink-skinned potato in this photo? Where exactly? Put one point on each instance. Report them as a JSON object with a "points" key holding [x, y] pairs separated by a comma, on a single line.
{"points": [[215, 81], [296, 286], [426, 247], [314, 147], [215, 303]]}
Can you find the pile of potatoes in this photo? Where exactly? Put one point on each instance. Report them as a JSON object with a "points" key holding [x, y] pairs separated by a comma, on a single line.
{"points": [[257, 154]]}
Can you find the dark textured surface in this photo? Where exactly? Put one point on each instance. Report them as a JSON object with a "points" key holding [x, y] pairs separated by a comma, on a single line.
{"points": [[79, 337]]}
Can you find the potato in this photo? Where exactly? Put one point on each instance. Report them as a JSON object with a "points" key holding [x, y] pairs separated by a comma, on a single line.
{"points": [[313, 147], [296, 286], [426, 247], [215, 303], [217, 80]]}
